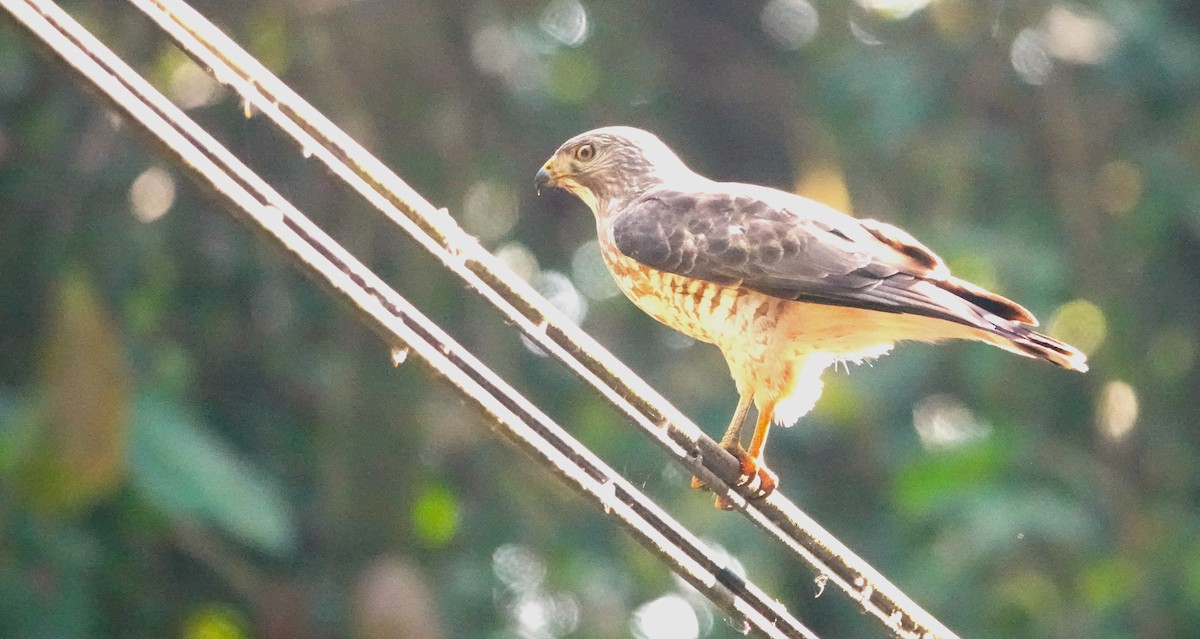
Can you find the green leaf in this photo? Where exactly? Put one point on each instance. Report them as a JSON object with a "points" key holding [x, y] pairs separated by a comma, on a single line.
{"points": [[215, 621], [435, 516], [187, 472]]}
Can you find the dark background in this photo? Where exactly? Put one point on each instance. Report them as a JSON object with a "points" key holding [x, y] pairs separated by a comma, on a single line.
{"points": [[196, 442]]}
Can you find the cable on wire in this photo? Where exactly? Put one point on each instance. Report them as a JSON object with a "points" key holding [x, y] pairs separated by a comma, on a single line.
{"points": [[460, 253], [394, 319]]}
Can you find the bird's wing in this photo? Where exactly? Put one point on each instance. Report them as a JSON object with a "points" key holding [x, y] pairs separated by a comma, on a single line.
{"points": [[793, 248]]}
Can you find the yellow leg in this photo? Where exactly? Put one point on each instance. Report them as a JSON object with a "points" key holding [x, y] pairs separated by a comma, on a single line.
{"points": [[752, 463], [733, 434], [761, 428], [732, 439], [754, 470]]}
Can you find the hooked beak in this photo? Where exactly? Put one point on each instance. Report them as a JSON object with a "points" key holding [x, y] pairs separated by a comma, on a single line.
{"points": [[544, 178]]}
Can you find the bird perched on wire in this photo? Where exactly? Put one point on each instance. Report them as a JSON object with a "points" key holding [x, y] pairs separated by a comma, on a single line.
{"points": [[785, 286]]}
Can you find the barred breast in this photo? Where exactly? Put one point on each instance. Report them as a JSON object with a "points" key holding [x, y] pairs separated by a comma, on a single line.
{"points": [[761, 337], [721, 315]]}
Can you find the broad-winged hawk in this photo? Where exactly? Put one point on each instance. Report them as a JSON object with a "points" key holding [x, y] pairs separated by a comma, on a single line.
{"points": [[783, 285]]}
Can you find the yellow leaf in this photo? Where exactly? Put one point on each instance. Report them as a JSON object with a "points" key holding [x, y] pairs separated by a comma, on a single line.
{"points": [[78, 454]]}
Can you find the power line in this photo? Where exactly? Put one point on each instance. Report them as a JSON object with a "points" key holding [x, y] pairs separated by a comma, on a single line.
{"points": [[440, 235], [398, 322]]}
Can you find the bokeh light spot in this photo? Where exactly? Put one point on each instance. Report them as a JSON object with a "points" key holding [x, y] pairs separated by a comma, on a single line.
{"points": [[494, 50], [893, 9], [392, 599], [561, 292], [518, 568], [215, 622], [152, 194], [1081, 324], [509, 54], [590, 274], [558, 289], [1116, 410], [668, 617], [518, 258], [943, 422], [435, 516], [489, 210], [863, 34], [191, 87], [1078, 36], [1029, 57], [790, 24], [565, 21], [534, 613]]}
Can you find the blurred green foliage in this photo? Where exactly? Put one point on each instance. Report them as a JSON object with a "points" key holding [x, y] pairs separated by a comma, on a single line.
{"points": [[195, 442]]}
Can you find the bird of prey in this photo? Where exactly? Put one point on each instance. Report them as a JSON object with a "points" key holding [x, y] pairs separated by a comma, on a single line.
{"points": [[785, 286]]}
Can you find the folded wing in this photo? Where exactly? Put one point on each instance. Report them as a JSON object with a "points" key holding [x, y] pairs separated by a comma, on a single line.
{"points": [[792, 248]]}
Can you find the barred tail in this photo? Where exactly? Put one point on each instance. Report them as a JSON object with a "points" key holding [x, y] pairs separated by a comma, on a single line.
{"points": [[1006, 324], [1022, 340]]}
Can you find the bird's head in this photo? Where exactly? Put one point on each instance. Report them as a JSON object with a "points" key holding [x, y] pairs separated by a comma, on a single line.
{"points": [[606, 167]]}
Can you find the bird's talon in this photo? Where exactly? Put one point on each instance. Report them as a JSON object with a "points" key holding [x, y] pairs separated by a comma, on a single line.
{"points": [[752, 473], [762, 479], [767, 482], [722, 503], [749, 466]]}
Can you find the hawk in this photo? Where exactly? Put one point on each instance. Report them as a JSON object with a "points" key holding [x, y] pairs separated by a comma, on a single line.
{"points": [[785, 286]]}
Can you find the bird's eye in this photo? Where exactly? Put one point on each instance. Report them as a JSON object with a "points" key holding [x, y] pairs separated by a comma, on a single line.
{"points": [[585, 152]]}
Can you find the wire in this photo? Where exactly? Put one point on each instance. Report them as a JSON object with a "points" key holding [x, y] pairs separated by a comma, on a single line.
{"points": [[400, 324], [440, 235]]}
